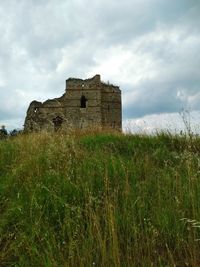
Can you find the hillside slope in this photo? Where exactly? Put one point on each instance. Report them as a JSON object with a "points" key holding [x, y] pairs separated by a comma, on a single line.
{"points": [[99, 200]]}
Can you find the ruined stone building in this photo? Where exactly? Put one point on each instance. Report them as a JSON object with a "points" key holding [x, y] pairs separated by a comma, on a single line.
{"points": [[85, 104]]}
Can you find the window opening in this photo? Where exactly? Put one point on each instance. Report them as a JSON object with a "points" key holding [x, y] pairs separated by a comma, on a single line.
{"points": [[83, 101], [36, 109]]}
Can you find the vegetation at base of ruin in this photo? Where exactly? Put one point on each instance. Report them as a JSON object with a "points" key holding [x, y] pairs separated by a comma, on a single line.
{"points": [[100, 199]]}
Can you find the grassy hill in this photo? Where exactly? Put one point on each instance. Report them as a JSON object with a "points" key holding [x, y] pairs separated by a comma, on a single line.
{"points": [[99, 199]]}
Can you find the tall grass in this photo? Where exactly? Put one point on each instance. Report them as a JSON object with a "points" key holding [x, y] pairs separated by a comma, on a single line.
{"points": [[100, 199]]}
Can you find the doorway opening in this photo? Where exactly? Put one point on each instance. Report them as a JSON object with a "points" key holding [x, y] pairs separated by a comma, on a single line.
{"points": [[57, 121]]}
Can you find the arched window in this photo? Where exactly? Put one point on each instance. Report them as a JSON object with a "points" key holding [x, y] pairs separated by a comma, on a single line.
{"points": [[57, 123], [83, 101]]}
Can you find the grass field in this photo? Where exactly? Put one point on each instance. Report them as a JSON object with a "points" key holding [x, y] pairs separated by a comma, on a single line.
{"points": [[100, 199]]}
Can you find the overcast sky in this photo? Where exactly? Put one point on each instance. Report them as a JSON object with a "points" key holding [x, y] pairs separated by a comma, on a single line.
{"points": [[150, 48]]}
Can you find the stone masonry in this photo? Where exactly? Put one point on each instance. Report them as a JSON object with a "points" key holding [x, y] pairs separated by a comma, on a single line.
{"points": [[85, 104]]}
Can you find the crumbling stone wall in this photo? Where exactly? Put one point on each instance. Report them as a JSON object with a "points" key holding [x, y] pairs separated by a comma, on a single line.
{"points": [[86, 103]]}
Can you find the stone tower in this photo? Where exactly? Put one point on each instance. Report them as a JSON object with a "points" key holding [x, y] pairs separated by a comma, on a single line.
{"points": [[85, 104]]}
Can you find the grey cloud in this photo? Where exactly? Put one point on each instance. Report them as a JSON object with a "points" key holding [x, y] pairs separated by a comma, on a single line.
{"points": [[151, 100]]}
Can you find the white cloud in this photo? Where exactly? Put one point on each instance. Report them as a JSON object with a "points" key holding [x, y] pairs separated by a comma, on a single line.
{"points": [[173, 123]]}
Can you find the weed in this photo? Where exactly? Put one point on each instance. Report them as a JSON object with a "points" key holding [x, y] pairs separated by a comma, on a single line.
{"points": [[99, 199]]}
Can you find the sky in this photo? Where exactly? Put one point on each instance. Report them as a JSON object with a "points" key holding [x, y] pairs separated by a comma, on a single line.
{"points": [[150, 48]]}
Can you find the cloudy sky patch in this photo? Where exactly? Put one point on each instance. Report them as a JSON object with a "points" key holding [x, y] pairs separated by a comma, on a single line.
{"points": [[151, 48]]}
